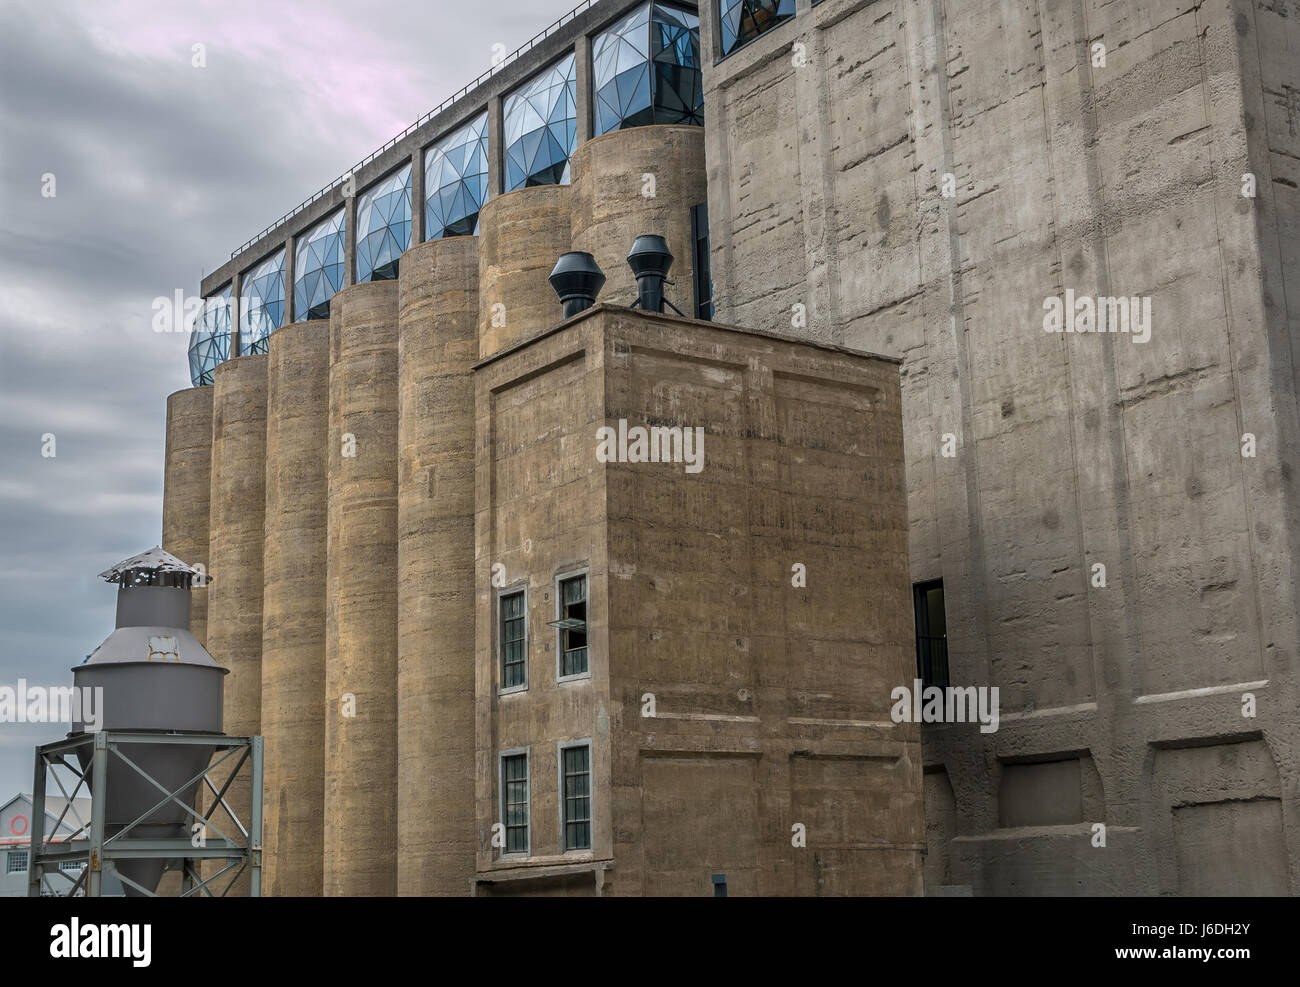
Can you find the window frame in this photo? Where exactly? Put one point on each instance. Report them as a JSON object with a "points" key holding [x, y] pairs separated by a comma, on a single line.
{"points": [[921, 616], [26, 857], [560, 748], [505, 852], [501, 594], [560, 579], [720, 56]]}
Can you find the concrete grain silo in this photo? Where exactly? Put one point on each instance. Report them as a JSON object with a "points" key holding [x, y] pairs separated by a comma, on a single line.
{"points": [[187, 487], [437, 347], [238, 505], [522, 233], [293, 611], [361, 661], [635, 181]]}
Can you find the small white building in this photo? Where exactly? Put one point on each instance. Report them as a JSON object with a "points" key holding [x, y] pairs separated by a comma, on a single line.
{"points": [[15, 843]]}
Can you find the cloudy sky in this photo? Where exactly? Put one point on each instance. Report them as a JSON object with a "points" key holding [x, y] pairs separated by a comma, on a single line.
{"points": [[160, 168]]}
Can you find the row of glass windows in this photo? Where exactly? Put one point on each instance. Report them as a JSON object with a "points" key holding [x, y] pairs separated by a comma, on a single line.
{"points": [[570, 624], [575, 799], [646, 70]]}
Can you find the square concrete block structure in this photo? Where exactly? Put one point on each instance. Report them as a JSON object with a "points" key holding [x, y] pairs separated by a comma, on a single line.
{"points": [[1114, 519], [746, 615]]}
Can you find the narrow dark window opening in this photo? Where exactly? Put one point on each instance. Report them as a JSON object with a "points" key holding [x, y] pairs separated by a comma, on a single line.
{"points": [[931, 634]]}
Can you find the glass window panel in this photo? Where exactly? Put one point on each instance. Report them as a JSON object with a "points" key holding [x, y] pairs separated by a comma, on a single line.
{"points": [[383, 226], [577, 797], [318, 267], [456, 181], [646, 70], [541, 127], [210, 338], [514, 797], [513, 645], [261, 307], [744, 20]]}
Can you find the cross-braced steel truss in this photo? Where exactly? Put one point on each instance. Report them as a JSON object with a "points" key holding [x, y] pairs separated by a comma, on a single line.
{"points": [[99, 852]]}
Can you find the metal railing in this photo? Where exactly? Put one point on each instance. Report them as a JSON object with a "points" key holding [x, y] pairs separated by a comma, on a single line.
{"points": [[512, 57]]}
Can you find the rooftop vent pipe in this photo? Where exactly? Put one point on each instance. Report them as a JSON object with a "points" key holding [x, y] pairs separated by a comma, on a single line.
{"points": [[577, 280], [650, 260]]}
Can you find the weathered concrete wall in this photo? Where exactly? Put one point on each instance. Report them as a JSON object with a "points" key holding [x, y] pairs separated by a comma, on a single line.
{"points": [[536, 414], [238, 504], [437, 346], [770, 699], [919, 183], [187, 490], [293, 617], [635, 181], [522, 235], [361, 652]]}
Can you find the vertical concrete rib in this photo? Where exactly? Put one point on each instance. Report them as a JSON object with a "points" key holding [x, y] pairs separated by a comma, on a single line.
{"points": [[238, 504], [293, 618], [187, 489], [523, 234], [437, 346], [361, 662], [635, 181]]}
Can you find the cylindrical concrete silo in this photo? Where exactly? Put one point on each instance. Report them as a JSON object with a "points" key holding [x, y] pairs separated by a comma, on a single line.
{"points": [[187, 486], [613, 202], [437, 347], [521, 235], [293, 609], [235, 553], [156, 678], [361, 662]]}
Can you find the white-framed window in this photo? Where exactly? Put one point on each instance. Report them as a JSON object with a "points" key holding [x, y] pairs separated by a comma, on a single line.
{"points": [[570, 623], [512, 638], [17, 862], [515, 802], [575, 795], [73, 866]]}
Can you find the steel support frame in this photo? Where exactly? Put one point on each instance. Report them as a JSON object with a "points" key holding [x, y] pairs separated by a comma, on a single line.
{"points": [[88, 844]]}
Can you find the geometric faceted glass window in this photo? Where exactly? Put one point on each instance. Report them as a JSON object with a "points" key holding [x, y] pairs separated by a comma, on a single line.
{"points": [[745, 20], [383, 226], [541, 127], [318, 268], [514, 801], [17, 862], [646, 70], [210, 338], [261, 311], [456, 181], [577, 797]]}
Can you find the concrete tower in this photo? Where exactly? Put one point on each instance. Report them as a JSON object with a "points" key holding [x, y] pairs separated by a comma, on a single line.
{"points": [[294, 606], [437, 347]]}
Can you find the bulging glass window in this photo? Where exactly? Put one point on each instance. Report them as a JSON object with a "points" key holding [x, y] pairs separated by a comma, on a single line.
{"points": [[456, 181], [744, 20], [541, 127], [647, 70], [210, 338], [261, 308], [383, 226], [318, 268]]}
